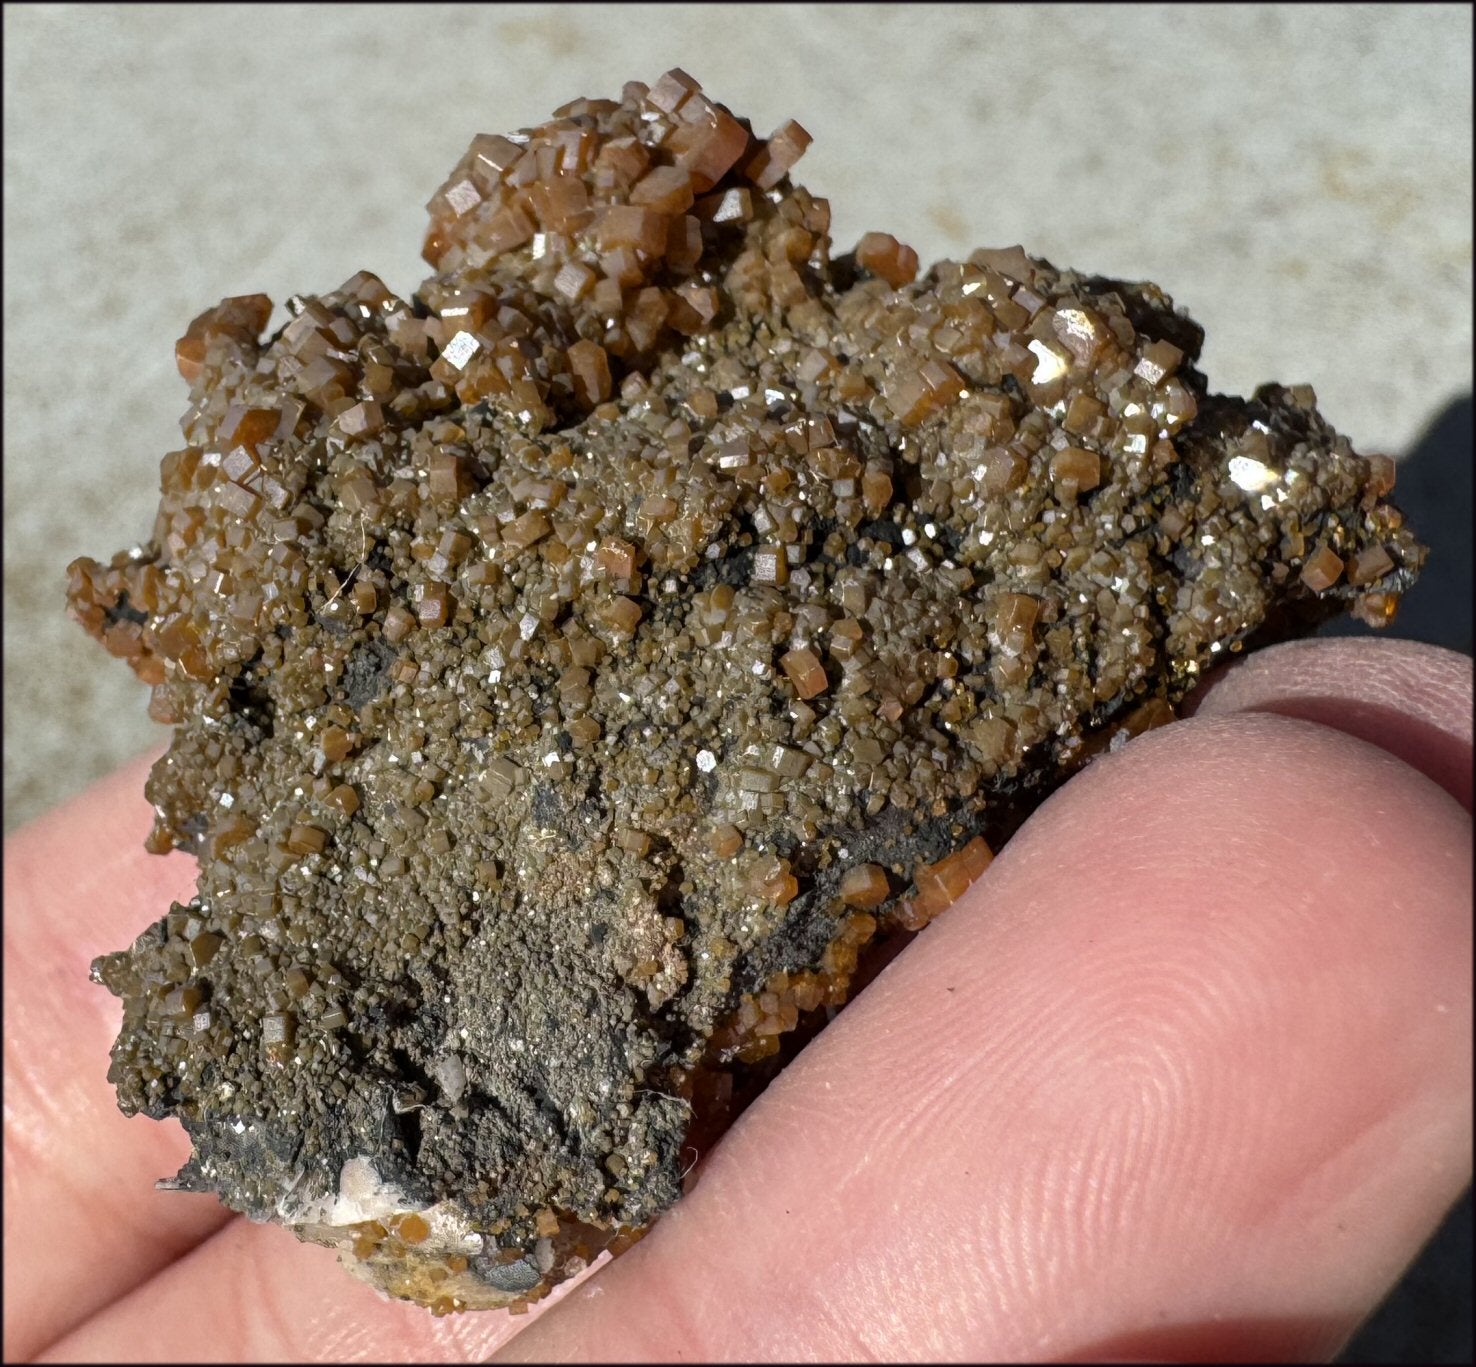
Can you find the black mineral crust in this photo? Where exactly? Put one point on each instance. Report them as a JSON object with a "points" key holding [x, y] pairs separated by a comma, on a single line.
{"points": [[580, 671]]}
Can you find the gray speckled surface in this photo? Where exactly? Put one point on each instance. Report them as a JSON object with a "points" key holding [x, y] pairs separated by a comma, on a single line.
{"points": [[1299, 177]]}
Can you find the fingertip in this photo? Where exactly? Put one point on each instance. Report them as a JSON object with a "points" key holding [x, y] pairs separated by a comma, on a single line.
{"points": [[1411, 699]]}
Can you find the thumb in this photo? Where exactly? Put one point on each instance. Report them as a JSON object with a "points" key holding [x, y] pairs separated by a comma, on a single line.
{"points": [[1185, 1075]]}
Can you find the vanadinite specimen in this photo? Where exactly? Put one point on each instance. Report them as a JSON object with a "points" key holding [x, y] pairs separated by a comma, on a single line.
{"points": [[576, 667]]}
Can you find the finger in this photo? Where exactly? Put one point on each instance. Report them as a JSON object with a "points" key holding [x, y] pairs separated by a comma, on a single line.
{"points": [[253, 1293], [83, 1222], [1410, 699], [1186, 1075]]}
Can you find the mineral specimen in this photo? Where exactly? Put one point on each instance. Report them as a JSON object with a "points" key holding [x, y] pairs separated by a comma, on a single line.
{"points": [[577, 669]]}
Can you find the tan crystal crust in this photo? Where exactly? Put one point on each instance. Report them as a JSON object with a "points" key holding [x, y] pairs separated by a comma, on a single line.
{"points": [[576, 667]]}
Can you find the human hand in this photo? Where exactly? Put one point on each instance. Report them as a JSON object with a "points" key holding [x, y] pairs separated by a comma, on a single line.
{"points": [[1186, 1075]]}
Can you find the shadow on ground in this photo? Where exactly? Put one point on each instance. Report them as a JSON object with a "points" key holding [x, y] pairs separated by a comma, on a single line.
{"points": [[1433, 490]]}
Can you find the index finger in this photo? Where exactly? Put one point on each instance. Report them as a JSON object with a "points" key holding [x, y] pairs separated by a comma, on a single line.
{"points": [[83, 1223]]}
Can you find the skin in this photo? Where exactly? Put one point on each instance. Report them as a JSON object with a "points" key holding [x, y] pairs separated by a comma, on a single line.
{"points": [[1186, 1075]]}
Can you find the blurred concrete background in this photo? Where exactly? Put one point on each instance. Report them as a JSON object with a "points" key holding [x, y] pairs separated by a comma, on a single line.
{"points": [[1299, 177]]}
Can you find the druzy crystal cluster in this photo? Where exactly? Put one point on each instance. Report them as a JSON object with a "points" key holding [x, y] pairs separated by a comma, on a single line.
{"points": [[578, 668]]}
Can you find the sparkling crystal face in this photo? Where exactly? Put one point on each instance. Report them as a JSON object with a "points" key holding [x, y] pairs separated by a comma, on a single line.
{"points": [[576, 668]]}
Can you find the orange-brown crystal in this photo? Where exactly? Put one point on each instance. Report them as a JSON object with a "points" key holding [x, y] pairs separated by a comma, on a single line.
{"points": [[940, 885]]}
